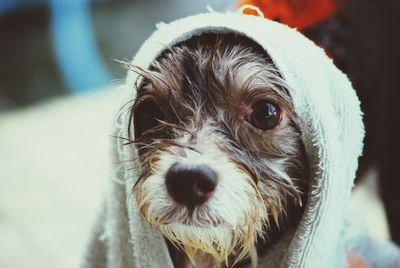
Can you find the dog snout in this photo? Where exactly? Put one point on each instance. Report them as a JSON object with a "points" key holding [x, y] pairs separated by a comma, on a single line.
{"points": [[191, 185]]}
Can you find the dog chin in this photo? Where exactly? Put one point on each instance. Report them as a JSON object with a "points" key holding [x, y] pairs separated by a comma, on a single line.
{"points": [[218, 241], [221, 241]]}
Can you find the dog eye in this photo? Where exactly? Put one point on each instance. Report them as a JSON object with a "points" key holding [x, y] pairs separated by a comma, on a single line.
{"points": [[266, 115], [146, 116]]}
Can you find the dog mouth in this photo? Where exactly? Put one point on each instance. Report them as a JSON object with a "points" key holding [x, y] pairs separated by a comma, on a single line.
{"points": [[200, 219], [191, 223], [205, 223]]}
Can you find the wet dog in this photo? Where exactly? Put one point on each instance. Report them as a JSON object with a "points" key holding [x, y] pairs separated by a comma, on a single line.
{"points": [[223, 168]]}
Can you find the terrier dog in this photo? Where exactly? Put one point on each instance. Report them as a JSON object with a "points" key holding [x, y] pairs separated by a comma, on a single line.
{"points": [[223, 169]]}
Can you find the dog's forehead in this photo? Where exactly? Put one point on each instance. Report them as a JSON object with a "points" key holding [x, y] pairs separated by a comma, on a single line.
{"points": [[211, 73], [210, 88]]}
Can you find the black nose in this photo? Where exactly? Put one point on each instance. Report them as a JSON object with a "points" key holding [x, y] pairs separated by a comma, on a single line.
{"points": [[191, 185]]}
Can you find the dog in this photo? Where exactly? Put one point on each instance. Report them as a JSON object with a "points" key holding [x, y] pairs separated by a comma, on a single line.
{"points": [[223, 170]]}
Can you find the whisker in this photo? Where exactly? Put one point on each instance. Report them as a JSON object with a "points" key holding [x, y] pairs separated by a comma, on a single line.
{"points": [[174, 126]]}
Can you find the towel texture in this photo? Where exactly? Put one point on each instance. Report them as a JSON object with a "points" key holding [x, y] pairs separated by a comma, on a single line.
{"points": [[332, 131]]}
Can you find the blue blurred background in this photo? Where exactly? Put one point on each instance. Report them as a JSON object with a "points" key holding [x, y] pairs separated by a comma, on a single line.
{"points": [[55, 47]]}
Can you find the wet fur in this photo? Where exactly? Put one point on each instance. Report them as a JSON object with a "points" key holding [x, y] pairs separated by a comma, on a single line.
{"points": [[204, 88]]}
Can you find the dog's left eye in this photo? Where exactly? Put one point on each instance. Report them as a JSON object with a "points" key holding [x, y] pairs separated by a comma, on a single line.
{"points": [[265, 115], [146, 115]]}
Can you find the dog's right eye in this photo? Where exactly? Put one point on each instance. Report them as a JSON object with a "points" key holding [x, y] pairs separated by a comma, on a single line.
{"points": [[146, 115], [266, 115]]}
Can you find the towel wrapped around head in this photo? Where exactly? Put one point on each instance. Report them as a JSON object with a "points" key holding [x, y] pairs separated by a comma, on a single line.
{"points": [[332, 132]]}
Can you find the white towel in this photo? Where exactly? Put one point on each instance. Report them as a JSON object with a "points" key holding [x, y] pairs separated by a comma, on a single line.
{"points": [[331, 123]]}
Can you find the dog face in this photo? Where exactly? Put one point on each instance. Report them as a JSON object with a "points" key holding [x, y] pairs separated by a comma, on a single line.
{"points": [[219, 149]]}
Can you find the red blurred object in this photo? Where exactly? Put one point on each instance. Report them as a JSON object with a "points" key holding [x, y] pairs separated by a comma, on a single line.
{"points": [[299, 14]]}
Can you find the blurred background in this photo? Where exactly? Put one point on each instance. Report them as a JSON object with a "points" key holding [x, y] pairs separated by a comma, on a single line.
{"points": [[59, 87]]}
